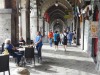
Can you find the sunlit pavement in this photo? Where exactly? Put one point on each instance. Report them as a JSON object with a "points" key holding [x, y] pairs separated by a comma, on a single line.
{"points": [[72, 62]]}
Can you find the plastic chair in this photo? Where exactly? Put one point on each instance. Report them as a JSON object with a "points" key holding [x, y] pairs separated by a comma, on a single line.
{"points": [[4, 63]]}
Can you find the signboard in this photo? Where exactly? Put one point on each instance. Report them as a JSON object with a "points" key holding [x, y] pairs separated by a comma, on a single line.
{"points": [[94, 29]]}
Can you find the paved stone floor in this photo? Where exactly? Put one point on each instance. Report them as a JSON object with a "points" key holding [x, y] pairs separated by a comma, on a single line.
{"points": [[72, 62]]}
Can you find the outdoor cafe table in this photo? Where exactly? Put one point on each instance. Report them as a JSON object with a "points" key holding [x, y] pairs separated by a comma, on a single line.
{"points": [[21, 49]]}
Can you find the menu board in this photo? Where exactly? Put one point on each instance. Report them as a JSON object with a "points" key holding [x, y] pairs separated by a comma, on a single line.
{"points": [[94, 29]]}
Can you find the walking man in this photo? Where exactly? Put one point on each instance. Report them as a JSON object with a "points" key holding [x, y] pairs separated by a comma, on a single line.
{"points": [[50, 36]]}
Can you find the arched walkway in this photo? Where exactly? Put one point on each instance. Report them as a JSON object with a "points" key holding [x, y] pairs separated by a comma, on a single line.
{"points": [[72, 62], [26, 17]]}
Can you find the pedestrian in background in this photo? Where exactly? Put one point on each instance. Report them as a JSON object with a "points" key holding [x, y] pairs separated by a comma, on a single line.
{"points": [[70, 37], [58, 37], [61, 38], [64, 41], [50, 37], [55, 40]]}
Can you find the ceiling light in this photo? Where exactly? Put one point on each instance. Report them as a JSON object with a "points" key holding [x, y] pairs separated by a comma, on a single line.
{"points": [[56, 4]]}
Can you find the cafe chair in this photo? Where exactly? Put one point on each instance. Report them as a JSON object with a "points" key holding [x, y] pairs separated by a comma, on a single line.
{"points": [[0, 50], [4, 64], [29, 54], [2, 47]]}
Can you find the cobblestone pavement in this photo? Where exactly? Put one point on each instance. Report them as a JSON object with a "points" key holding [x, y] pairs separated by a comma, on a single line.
{"points": [[72, 62]]}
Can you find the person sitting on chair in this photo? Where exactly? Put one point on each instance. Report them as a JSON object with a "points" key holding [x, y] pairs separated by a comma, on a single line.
{"points": [[12, 50], [21, 41]]}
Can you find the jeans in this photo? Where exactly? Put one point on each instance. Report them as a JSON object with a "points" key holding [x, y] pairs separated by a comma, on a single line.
{"points": [[70, 41], [18, 56], [50, 42], [39, 50]]}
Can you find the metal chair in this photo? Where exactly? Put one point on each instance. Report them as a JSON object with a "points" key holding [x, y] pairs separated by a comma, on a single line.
{"points": [[29, 53], [4, 63], [2, 47], [0, 50]]}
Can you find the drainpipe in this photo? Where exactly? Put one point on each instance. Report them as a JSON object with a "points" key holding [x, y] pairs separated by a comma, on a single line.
{"points": [[83, 30]]}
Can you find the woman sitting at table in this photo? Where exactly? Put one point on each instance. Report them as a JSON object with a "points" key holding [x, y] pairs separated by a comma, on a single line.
{"points": [[12, 50], [38, 43], [21, 41]]}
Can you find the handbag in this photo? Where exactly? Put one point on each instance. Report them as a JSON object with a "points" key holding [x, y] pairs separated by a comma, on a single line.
{"points": [[5, 52]]}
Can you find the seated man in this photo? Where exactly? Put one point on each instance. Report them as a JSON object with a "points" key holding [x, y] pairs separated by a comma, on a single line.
{"points": [[21, 41], [12, 50]]}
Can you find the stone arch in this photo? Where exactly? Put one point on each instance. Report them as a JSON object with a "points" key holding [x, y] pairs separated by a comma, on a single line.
{"points": [[60, 15], [61, 24], [47, 4]]}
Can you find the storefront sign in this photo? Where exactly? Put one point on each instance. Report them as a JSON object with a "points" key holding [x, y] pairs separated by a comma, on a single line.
{"points": [[94, 29]]}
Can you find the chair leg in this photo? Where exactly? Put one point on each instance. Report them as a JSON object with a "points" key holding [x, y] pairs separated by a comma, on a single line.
{"points": [[31, 61], [23, 60], [15, 60], [38, 59], [41, 58], [34, 61], [9, 72], [3, 73]]}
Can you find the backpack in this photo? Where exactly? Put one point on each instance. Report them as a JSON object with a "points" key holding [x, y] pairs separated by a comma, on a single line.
{"points": [[65, 38]]}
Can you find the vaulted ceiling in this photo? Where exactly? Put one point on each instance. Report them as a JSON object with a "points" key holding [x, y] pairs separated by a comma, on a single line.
{"points": [[44, 5], [57, 12]]}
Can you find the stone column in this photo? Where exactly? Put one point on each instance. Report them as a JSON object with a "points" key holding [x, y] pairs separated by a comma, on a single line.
{"points": [[46, 28], [46, 31], [33, 19], [2, 4], [24, 19], [23, 23], [20, 18], [20, 26], [5, 24], [78, 31], [41, 25]]}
